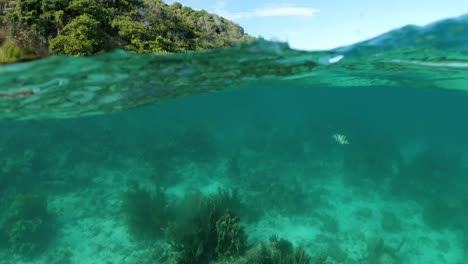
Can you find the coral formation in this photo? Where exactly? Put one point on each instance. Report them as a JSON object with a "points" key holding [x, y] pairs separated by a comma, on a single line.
{"points": [[231, 240], [205, 228]]}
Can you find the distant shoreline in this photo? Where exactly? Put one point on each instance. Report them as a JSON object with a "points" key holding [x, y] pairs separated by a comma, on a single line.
{"points": [[37, 29]]}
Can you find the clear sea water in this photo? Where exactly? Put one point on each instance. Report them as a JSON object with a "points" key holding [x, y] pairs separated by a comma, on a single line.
{"points": [[359, 154]]}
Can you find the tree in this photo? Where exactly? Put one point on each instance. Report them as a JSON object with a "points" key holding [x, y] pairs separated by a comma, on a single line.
{"points": [[86, 27], [82, 36]]}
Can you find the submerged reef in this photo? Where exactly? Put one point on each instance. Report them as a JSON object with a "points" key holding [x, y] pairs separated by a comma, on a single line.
{"points": [[198, 227], [27, 227], [206, 228], [322, 216], [203, 228], [275, 251]]}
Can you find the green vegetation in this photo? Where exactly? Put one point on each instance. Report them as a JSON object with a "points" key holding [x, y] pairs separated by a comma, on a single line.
{"points": [[284, 252], [10, 52], [85, 27], [27, 226], [146, 213], [199, 228], [205, 228]]}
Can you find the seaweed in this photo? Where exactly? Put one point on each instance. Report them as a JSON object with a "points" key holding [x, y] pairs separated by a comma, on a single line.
{"points": [[205, 228], [146, 213], [285, 253], [231, 240], [28, 227]]}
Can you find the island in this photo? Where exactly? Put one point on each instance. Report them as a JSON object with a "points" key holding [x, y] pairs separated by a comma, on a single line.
{"points": [[31, 29]]}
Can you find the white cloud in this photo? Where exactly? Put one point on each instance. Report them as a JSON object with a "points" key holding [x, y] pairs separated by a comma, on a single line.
{"points": [[264, 12]]}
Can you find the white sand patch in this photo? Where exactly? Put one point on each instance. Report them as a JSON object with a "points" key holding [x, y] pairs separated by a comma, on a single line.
{"points": [[298, 230], [207, 179]]}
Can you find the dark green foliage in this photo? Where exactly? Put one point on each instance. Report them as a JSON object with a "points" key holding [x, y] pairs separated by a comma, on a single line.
{"points": [[28, 227], [94, 9], [84, 27], [133, 34], [146, 212], [82, 36], [205, 228]]}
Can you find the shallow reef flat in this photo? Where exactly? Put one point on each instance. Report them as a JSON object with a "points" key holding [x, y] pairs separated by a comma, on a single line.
{"points": [[283, 189]]}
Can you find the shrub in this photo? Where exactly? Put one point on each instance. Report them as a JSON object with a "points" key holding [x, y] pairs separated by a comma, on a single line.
{"points": [[10, 52], [82, 36]]}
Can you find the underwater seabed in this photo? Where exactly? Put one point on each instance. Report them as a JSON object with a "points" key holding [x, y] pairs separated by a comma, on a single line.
{"points": [[231, 177]]}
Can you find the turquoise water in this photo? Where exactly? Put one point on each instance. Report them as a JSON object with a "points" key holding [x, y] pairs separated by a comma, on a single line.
{"points": [[231, 176]]}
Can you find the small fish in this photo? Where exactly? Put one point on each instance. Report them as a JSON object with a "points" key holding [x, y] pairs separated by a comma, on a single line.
{"points": [[340, 139]]}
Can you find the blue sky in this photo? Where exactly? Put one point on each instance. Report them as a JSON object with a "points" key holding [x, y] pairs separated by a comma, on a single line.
{"points": [[325, 24]]}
